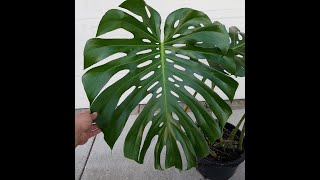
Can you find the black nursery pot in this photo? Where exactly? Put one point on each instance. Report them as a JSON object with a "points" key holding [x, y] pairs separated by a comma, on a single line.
{"points": [[214, 170]]}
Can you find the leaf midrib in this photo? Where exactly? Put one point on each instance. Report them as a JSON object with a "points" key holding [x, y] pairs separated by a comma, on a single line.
{"points": [[163, 75]]}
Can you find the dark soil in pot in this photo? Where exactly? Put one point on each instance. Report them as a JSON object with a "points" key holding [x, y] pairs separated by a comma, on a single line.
{"points": [[225, 164]]}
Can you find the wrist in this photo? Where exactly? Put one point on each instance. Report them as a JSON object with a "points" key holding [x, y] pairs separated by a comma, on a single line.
{"points": [[76, 141], [76, 136]]}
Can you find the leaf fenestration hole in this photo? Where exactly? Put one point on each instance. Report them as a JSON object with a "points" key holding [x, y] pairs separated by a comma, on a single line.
{"points": [[182, 56], [176, 35], [146, 40], [144, 52], [177, 78], [204, 61], [175, 117], [179, 67], [117, 34], [153, 85], [240, 37], [125, 94], [163, 156], [145, 100], [202, 25], [169, 60], [200, 97], [198, 76], [139, 18], [159, 90], [170, 79], [159, 66], [179, 45], [144, 134], [158, 95], [167, 52], [153, 143], [147, 75], [176, 23], [108, 59], [176, 85], [161, 124], [148, 12], [175, 94], [226, 72], [149, 30], [200, 42], [189, 89], [183, 129], [157, 56], [157, 112], [191, 27], [208, 82], [192, 117], [116, 77], [183, 156], [144, 64]]}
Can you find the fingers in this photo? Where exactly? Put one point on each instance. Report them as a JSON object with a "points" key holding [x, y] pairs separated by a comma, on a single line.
{"points": [[94, 132], [83, 115], [93, 127], [86, 116]]}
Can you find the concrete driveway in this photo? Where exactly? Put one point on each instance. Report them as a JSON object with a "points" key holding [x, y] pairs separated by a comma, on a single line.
{"points": [[95, 161]]}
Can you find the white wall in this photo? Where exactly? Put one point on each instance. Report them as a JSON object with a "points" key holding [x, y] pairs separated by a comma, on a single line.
{"points": [[89, 12]]}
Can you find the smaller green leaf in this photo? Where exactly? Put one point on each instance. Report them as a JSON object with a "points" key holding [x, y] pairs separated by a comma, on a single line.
{"points": [[237, 45]]}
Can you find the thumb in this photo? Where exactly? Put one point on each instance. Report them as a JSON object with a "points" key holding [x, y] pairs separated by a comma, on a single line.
{"points": [[94, 115]]}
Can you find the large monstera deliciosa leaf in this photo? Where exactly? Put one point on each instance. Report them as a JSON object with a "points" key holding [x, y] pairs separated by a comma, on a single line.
{"points": [[165, 70]]}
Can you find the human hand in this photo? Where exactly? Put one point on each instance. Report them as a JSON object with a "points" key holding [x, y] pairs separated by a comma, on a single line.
{"points": [[84, 127]]}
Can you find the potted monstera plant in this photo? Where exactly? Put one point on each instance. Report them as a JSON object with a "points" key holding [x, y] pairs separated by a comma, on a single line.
{"points": [[227, 152], [166, 67]]}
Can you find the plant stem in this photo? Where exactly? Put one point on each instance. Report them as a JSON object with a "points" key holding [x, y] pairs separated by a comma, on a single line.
{"points": [[212, 153], [235, 130], [241, 137], [226, 142], [221, 141], [222, 152]]}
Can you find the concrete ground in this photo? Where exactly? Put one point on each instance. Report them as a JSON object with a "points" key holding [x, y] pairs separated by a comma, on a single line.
{"points": [[95, 161]]}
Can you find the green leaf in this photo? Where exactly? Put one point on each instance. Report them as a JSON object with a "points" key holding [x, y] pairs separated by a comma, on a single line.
{"points": [[235, 54], [235, 130], [170, 75], [237, 46]]}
